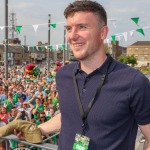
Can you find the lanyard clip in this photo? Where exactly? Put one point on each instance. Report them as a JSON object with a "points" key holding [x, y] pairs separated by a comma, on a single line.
{"points": [[83, 127]]}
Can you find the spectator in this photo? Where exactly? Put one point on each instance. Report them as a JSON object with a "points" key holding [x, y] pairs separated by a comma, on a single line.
{"points": [[46, 109], [37, 108], [8, 103], [4, 115], [27, 107]]}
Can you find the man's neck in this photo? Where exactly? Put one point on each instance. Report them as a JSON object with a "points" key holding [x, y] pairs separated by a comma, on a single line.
{"points": [[90, 66]]}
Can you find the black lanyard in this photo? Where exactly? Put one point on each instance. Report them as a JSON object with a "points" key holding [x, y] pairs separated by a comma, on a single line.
{"points": [[84, 114]]}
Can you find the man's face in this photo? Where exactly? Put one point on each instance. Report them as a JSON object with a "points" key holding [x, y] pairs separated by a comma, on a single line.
{"points": [[14, 112], [84, 34], [39, 88], [38, 101], [52, 111]]}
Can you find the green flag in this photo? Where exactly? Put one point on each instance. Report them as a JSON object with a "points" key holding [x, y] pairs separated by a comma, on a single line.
{"points": [[53, 25], [18, 28], [51, 47], [63, 46], [41, 48], [141, 31], [136, 20], [33, 48], [113, 37]]}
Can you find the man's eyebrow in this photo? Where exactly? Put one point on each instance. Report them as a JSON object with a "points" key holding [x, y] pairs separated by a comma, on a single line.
{"points": [[80, 24], [66, 26]]}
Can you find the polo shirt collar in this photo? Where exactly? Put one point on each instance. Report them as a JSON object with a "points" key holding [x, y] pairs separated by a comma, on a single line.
{"points": [[102, 69]]}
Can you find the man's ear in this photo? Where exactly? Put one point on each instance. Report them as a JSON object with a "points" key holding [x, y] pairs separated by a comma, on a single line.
{"points": [[104, 32]]}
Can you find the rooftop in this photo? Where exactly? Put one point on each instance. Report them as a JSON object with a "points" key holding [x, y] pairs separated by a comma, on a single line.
{"points": [[141, 43]]}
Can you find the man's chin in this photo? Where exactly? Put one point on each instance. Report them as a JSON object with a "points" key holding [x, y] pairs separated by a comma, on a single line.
{"points": [[79, 58]]}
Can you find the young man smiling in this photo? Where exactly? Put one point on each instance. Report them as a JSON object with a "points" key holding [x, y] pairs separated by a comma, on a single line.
{"points": [[102, 101]]}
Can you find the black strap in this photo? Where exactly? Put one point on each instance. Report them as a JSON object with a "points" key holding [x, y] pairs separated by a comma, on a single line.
{"points": [[84, 114]]}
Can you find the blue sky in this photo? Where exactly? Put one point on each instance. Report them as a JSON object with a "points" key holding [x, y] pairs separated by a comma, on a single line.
{"points": [[31, 12]]}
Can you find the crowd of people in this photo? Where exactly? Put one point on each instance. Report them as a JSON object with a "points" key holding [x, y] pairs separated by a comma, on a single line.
{"points": [[27, 98]]}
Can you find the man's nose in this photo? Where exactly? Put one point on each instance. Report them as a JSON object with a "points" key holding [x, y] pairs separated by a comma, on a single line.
{"points": [[73, 35]]}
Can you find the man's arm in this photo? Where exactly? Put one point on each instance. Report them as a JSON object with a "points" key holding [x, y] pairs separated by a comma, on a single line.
{"points": [[146, 132], [51, 126]]}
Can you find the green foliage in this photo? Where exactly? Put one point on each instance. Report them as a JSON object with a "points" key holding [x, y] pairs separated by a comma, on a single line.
{"points": [[128, 60], [145, 70]]}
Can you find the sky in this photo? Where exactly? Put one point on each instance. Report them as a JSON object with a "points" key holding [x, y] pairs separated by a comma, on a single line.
{"points": [[33, 12]]}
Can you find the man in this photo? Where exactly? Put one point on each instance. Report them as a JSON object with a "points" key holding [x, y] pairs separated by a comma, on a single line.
{"points": [[37, 107], [120, 103], [40, 91], [18, 115], [49, 77]]}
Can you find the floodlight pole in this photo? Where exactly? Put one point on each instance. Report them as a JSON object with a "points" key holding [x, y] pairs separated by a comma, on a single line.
{"points": [[6, 40], [48, 58]]}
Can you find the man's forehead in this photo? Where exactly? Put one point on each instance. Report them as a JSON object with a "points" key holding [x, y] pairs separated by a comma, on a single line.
{"points": [[79, 19], [77, 16]]}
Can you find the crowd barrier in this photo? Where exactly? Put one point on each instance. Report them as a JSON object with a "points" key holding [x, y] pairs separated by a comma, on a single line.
{"points": [[29, 146]]}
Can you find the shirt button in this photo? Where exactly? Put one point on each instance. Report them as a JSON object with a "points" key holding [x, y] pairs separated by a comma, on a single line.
{"points": [[84, 90]]}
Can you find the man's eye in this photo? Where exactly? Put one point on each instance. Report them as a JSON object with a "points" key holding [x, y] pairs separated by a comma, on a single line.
{"points": [[82, 27], [68, 29]]}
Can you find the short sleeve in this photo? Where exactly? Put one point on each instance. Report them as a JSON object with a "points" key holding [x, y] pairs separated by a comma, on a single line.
{"points": [[140, 99]]}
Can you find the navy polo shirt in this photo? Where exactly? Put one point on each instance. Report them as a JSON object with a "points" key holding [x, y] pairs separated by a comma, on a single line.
{"points": [[122, 104]]}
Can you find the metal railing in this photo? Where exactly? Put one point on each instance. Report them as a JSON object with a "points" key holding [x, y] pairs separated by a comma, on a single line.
{"points": [[43, 146]]}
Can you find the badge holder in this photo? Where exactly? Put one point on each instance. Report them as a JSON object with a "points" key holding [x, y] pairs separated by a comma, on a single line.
{"points": [[81, 142]]}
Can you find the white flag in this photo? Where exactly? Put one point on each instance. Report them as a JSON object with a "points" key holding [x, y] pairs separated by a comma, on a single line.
{"points": [[35, 27], [57, 47], [37, 48], [131, 33], [125, 34], [2, 27], [106, 41], [119, 38], [28, 48]]}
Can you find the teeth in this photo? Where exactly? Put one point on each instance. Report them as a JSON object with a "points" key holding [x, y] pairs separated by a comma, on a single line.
{"points": [[77, 44]]}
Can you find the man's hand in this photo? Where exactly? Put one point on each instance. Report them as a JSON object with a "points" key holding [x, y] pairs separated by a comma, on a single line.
{"points": [[18, 134]]}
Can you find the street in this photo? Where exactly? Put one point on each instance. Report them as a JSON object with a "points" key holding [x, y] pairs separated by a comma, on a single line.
{"points": [[138, 145]]}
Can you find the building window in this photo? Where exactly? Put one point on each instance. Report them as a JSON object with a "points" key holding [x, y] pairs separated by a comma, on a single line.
{"points": [[146, 56], [146, 49], [130, 49], [136, 49], [136, 56]]}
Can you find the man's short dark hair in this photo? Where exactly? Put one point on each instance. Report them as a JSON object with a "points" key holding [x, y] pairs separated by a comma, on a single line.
{"points": [[14, 107], [86, 6]]}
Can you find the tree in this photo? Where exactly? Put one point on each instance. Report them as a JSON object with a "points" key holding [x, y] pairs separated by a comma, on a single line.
{"points": [[123, 59], [128, 60], [132, 60]]}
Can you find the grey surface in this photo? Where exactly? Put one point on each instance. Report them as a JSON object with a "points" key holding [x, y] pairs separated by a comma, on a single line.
{"points": [[45, 146]]}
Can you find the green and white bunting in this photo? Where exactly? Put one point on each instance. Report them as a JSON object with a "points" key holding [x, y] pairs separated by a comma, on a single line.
{"points": [[113, 37], [53, 25], [141, 31], [18, 28], [135, 20]]}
